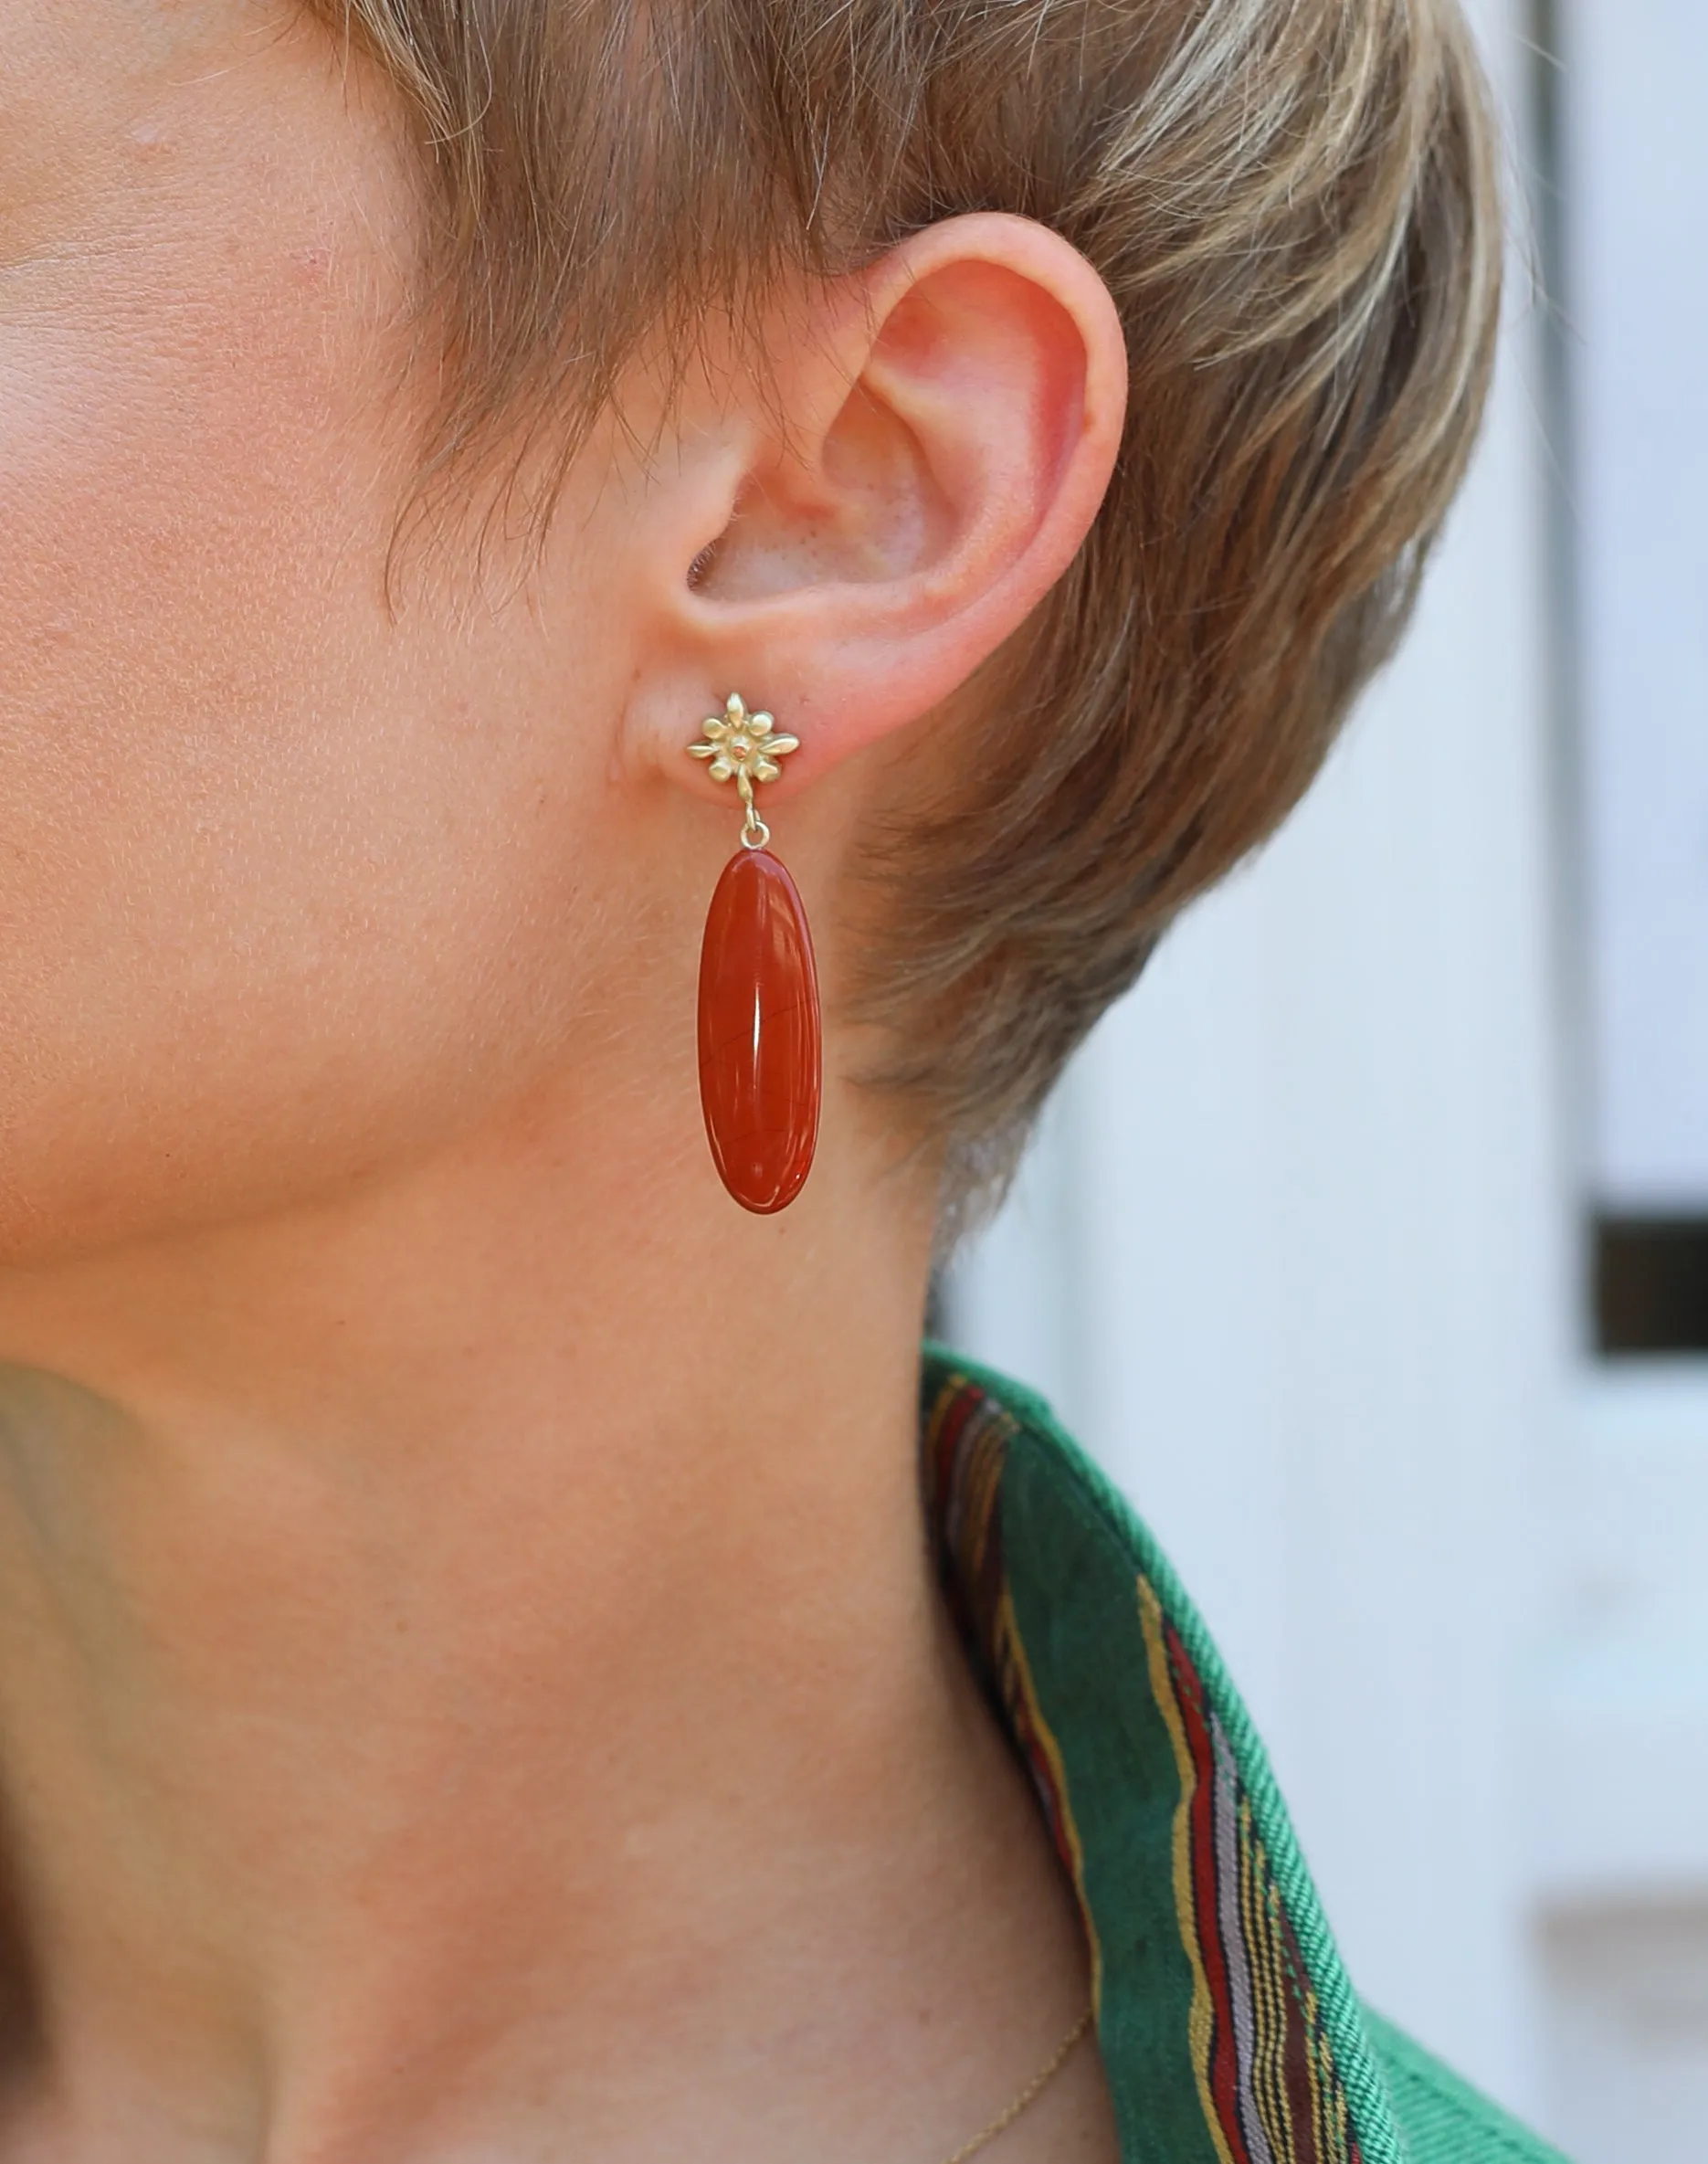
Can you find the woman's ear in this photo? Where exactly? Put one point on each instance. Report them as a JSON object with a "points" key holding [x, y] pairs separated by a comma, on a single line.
{"points": [[927, 448]]}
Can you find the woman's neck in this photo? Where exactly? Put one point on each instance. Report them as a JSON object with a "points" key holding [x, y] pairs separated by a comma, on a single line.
{"points": [[469, 1666]]}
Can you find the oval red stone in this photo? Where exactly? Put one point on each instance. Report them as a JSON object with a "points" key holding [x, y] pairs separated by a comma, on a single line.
{"points": [[761, 1058]]}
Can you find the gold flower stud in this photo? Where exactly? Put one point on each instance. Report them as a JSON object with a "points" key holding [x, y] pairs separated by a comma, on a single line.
{"points": [[744, 746]]}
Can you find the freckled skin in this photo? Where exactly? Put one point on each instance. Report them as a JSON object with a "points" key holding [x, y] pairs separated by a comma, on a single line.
{"points": [[471, 1684], [302, 865]]}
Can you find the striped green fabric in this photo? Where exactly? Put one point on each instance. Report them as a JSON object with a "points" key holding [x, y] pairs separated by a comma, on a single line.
{"points": [[1229, 2030]]}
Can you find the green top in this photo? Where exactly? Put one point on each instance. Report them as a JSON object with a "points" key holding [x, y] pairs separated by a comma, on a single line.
{"points": [[1230, 2032]]}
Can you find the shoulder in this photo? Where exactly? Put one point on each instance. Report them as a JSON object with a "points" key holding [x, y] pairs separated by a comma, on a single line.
{"points": [[1443, 2120], [1230, 2030]]}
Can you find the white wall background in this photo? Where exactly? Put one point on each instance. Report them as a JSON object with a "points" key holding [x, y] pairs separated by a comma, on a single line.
{"points": [[1637, 76], [1297, 1255]]}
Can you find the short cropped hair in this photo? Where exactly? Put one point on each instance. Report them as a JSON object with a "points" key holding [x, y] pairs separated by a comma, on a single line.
{"points": [[1295, 206]]}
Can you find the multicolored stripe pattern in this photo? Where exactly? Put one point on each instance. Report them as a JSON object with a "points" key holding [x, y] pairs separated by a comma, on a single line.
{"points": [[1264, 2069], [1210, 2020], [966, 1448]]}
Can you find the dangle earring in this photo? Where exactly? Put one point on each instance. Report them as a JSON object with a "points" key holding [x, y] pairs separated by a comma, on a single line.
{"points": [[760, 1056]]}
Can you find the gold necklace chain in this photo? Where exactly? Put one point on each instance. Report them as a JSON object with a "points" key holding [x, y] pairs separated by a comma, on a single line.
{"points": [[1028, 2096]]}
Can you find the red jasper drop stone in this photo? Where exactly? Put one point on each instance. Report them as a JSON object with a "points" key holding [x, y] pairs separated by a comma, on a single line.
{"points": [[761, 1057]]}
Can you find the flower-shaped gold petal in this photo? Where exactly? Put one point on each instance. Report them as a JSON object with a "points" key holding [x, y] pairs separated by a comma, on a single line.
{"points": [[744, 747]]}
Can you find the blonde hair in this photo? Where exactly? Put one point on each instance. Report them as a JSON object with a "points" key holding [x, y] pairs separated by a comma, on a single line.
{"points": [[1294, 205]]}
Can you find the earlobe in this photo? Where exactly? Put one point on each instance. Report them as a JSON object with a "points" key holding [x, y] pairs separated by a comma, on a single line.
{"points": [[930, 450]]}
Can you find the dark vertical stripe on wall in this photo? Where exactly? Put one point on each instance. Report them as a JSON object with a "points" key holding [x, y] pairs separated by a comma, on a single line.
{"points": [[1547, 255]]}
